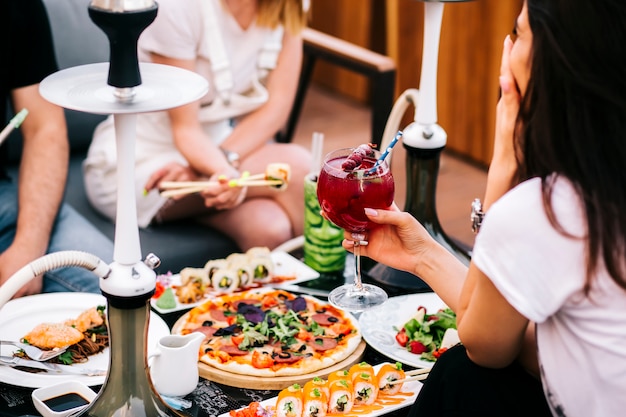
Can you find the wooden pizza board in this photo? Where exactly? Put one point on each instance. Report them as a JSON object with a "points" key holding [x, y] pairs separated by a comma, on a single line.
{"points": [[277, 382]]}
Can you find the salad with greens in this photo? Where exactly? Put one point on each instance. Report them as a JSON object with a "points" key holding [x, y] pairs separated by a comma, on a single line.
{"points": [[428, 335]]}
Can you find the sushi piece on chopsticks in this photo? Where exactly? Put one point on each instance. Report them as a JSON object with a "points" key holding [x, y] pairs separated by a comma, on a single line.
{"points": [[341, 398], [314, 399], [289, 402], [387, 376], [276, 175]]}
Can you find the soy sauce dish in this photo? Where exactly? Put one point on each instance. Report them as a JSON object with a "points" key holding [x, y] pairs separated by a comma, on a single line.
{"points": [[62, 400]]}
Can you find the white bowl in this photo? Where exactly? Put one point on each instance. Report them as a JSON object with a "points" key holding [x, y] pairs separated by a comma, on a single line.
{"points": [[62, 399]]}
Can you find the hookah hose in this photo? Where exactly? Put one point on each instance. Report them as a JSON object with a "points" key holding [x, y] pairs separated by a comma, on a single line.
{"points": [[49, 262]]}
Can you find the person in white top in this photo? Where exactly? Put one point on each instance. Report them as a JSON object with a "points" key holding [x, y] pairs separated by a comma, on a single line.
{"points": [[541, 308], [250, 52]]}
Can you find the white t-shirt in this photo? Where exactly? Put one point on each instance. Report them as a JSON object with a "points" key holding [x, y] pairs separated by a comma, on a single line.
{"points": [[581, 340]]}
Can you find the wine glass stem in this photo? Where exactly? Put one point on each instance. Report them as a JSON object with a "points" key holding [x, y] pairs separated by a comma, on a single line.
{"points": [[358, 284]]}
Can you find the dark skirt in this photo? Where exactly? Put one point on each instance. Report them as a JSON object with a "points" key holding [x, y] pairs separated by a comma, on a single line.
{"points": [[457, 387]]}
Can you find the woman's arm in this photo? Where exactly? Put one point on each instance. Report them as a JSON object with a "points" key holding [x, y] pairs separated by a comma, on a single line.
{"points": [[202, 154], [256, 128]]}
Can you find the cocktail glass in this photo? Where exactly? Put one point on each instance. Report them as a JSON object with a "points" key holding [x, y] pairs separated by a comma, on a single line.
{"points": [[343, 195]]}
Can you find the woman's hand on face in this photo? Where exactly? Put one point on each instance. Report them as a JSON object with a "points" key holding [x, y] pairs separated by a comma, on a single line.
{"points": [[507, 108], [398, 240]]}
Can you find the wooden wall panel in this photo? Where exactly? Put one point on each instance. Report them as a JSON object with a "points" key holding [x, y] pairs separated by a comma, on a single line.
{"points": [[469, 58]]}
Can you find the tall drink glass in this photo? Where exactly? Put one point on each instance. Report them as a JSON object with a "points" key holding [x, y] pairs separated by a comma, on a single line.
{"points": [[343, 195]]}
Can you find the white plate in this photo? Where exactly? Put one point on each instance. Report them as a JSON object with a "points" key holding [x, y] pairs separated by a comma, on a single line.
{"points": [[377, 325], [285, 266], [411, 387], [19, 316]]}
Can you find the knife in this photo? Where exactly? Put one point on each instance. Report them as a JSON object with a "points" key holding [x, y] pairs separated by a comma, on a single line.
{"points": [[14, 361]]}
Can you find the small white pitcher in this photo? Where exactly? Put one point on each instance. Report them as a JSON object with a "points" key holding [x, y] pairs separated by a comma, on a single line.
{"points": [[174, 364]]}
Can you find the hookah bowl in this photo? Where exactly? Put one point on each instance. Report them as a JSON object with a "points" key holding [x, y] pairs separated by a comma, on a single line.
{"points": [[125, 88]]}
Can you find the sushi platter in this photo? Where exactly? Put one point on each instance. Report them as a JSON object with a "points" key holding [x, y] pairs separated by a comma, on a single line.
{"points": [[382, 404], [287, 270]]}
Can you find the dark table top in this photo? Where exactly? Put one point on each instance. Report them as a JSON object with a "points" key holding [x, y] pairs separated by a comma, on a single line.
{"points": [[211, 399]]}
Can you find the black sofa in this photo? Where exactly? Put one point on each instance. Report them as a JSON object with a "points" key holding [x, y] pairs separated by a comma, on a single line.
{"points": [[78, 41]]}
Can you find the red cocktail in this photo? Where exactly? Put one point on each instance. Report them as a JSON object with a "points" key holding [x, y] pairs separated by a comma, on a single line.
{"points": [[343, 192]]}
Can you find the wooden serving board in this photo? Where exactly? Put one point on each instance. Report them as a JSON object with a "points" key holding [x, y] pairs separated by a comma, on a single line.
{"points": [[278, 382]]}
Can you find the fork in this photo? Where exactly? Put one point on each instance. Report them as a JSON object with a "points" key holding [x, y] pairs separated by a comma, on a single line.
{"points": [[33, 352]]}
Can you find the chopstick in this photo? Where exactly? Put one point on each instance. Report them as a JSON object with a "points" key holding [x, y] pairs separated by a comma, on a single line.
{"points": [[417, 371], [415, 375], [420, 377], [14, 123], [201, 185]]}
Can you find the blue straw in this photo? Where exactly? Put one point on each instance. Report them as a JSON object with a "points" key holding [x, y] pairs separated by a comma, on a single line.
{"points": [[384, 154]]}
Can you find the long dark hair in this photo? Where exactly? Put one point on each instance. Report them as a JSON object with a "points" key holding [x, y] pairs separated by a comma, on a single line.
{"points": [[573, 118]]}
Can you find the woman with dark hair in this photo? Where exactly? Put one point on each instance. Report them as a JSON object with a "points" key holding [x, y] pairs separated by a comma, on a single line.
{"points": [[540, 310]]}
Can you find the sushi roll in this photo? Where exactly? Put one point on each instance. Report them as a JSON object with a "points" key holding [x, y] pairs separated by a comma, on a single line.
{"points": [[314, 399], [365, 388], [387, 374], [214, 265], [194, 275], [360, 368], [239, 263], [289, 402], [321, 384], [261, 263], [225, 281], [338, 375], [341, 398]]}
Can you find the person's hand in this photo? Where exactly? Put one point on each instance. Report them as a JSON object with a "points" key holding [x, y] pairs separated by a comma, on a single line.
{"points": [[11, 261], [222, 196], [506, 110], [170, 172], [503, 168], [398, 240]]}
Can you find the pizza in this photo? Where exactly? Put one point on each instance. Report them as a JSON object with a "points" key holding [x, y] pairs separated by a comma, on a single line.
{"points": [[270, 332]]}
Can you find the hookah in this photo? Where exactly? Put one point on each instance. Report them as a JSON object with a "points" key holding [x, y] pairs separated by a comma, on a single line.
{"points": [[424, 140], [127, 283]]}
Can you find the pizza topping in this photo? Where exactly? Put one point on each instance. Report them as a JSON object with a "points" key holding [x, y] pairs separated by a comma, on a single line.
{"points": [[233, 350], [323, 343], [324, 319]]}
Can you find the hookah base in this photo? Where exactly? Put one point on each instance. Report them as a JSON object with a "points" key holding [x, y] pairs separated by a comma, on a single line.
{"points": [[396, 282]]}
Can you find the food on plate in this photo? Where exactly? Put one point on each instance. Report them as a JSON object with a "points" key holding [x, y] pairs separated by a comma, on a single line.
{"points": [[268, 332], [314, 399], [237, 272], [341, 398], [387, 376], [85, 335], [49, 336], [424, 333], [319, 397], [167, 299], [289, 402], [365, 388], [360, 368]]}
